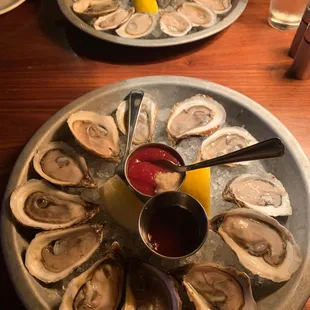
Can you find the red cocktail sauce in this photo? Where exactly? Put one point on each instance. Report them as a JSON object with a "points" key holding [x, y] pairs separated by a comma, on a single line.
{"points": [[141, 171]]}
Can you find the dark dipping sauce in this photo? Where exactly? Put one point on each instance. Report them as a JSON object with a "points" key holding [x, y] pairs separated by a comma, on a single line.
{"points": [[173, 231], [141, 171]]}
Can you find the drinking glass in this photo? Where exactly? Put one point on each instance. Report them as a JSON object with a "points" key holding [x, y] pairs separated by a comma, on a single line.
{"points": [[286, 14]]}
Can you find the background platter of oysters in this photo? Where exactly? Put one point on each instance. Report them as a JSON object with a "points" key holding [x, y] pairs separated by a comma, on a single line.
{"points": [[90, 261], [175, 18]]}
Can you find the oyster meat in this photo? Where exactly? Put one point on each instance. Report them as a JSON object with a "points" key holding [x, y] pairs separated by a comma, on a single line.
{"points": [[114, 19], [198, 15], [199, 115], [175, 24], [53, 255], [262, 245], [146, 124], [58, 163], [100, 286], [264, 193], [218, 6], [224, 141], [210, 286], [139, 25], [93, 8], [96, 132], [38, 204], [149, 288]]}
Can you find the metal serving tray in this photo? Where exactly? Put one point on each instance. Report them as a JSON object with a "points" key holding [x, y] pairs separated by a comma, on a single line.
{"points": [[293, 170], [238, 7]]}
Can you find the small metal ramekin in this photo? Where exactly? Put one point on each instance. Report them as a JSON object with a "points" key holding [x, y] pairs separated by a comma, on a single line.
{"points": [[168, 199]]}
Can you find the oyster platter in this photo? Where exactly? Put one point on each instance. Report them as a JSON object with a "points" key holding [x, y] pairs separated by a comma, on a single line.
{"points": [[70, 225], [152, 22]]}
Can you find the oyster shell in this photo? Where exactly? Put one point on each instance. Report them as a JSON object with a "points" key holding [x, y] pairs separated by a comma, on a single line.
{"points": [[37, 204], [96, 133], [145, 127], [139, 25], [58, 163], [224, 141], [198, 15], [149, 288], [175, 24], [217, 6], [199, 115], [114, 19], [262, 245], [100, 286], [53, 255], [93, 8], [210, 286], [264, 193]]}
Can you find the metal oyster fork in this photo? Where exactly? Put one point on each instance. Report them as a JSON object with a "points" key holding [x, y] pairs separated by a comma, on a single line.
{"points": [[265, 149], [134, 100]]}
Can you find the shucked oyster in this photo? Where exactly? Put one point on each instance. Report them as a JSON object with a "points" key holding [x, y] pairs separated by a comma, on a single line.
{"points": [[145, 127], [197, 116], [99, 287], [198, 15], [139, 25], [210, 286], [175, 24], [149, 288], [95, 132], [58, 163], [94, 8], [37, 204], [114, 19], [218, 6], [224, 141], [263, 193], [53, 255], [262, 245]]}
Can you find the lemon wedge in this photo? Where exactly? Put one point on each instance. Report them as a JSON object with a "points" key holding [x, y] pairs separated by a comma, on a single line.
{"points": [[197, 184], [146, 6], [121, 203]]}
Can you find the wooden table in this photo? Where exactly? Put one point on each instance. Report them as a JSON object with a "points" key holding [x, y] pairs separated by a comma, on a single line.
{"points": [[45, 63]]}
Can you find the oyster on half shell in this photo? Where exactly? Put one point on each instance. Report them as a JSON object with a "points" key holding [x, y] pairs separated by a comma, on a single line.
{"points": [[224, 141], [100, 286], [174, 24], [262, 245], [96, 133], [149, 288], [114, 19], [58, 163], [217, 6], [210, 286], [261, 192], [88, 9], [139, 25], [198, 15], [199, 115], [53, 255], [146, 124], [38, 204]]}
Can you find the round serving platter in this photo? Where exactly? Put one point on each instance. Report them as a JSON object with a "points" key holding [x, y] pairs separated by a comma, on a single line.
{"points": [[238, 7], [293, 170]]}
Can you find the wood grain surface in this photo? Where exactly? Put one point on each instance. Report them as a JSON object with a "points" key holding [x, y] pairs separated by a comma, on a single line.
{"points": [[45, 63]]}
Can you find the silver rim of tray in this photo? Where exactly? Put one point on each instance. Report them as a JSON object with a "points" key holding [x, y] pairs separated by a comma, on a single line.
{"points": [[232, 16], [23, 281]]}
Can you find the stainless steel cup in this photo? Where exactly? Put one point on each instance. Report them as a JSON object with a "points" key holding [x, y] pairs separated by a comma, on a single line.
{"points": [[158, 145], [168, 199]]}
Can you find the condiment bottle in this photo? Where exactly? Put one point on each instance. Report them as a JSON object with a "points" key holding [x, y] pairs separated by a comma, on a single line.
{"points": [[301, 64], [305, 21]]}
